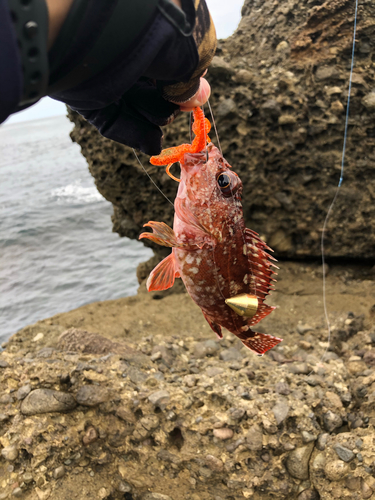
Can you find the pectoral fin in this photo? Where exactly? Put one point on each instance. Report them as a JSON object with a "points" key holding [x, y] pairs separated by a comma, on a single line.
{"points": [[162, 234], [164, 274]]}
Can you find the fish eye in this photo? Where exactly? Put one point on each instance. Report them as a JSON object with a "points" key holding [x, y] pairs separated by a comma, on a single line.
{"points": [[224, 181]]}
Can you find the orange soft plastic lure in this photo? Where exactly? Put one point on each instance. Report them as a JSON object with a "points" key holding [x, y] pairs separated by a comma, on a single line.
{"points": [[201, 128]]}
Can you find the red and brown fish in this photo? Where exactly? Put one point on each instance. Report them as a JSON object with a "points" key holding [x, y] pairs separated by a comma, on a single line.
{"points": [[225, 266]]}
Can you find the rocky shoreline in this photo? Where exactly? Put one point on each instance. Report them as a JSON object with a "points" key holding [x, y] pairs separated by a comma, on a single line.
{"points": [[158, 414]]}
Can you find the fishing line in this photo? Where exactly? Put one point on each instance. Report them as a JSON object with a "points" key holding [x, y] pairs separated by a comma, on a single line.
{"points": [[214, 124], [339, 184], [148, 175]]}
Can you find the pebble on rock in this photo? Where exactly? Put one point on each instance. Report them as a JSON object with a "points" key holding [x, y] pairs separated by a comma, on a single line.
{"points": [[223, 433], [336, 470], [91, 395], [344, 453], [47, 400], [10, 453], [332, 421], [297, 462], [280, 410]]}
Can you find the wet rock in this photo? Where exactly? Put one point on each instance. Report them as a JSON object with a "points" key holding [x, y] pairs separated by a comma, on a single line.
{"points": [[254, 438], [23, 392], [10, 453], [344, 453], [332, 421], [336, 470], [91, 395], [223, 433], [47, 400], [297, 462], [159, 398], [280, 410]]}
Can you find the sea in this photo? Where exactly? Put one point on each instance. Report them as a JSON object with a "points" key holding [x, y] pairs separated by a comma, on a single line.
{"points": [[57, 249]]}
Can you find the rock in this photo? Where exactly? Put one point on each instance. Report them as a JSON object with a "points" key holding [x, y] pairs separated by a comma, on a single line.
{"points": [[231, 354], [17, 492], [42, 494], [91, 395], [23, 392], [307, 437], [282, 388], [336, 470], [27, 478], [369, 358], [344, 453], [103, 493], [136, 376], [219, 68], [332, 421], [353, 483], [297, 462], [156, 496], [243, 76], [236, 413], [369, 101], [124, 487], [366, 490], [254, 438], [282, 46], [287, 119], [47, 400], [280, 410], [302, 329], [309, 494], [223, 433], [3, 363], [226, 108], [126, 414], [59, 472], [299, 368], [326, 73], [90, 436], [212, 371], [10, 453], [214, 463], [322, 441], [159, 398], [38, 336]]}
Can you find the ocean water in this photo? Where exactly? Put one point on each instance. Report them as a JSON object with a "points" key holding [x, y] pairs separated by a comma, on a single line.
{"points": [[57, 249]]}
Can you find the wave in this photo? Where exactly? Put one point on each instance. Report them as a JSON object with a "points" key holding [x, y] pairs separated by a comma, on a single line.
{"points": [[76, 193]]}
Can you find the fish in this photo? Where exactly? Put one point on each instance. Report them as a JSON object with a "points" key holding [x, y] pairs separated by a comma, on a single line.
{"points": [[222, 263]]}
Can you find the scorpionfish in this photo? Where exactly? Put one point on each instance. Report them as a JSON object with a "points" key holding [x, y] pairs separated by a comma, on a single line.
{"points": [[213, 252]]}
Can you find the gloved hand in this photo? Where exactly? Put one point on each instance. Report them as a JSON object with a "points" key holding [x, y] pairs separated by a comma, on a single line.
{"points": [[143, 90]]}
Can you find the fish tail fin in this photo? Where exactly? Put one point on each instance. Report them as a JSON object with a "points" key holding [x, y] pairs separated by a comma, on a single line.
{"points": [[259, 343]]}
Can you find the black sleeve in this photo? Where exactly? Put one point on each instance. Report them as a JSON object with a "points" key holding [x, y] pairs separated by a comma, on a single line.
{"points": [[11, 80]]}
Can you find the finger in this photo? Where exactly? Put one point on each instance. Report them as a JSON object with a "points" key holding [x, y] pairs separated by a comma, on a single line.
{"points": [[199, 98]]}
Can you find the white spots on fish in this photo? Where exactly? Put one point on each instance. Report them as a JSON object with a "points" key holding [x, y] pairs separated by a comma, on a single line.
{"points": [[198, 260], [190, 258], [244, 249], [194, 270], [234, 288], [245, 279]]}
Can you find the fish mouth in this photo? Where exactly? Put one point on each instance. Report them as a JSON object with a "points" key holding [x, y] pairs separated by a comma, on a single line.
{"points": [[192, 163]]}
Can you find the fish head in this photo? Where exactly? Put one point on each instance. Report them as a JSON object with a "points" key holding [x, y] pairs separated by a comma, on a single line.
{"points": [[209, 191]]}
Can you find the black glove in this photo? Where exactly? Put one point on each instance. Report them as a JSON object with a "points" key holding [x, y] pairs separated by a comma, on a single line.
{"points": [[128, 101]]}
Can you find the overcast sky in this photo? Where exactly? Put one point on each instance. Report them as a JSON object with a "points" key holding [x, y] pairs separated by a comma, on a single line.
{"points": [[226, 15]]}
